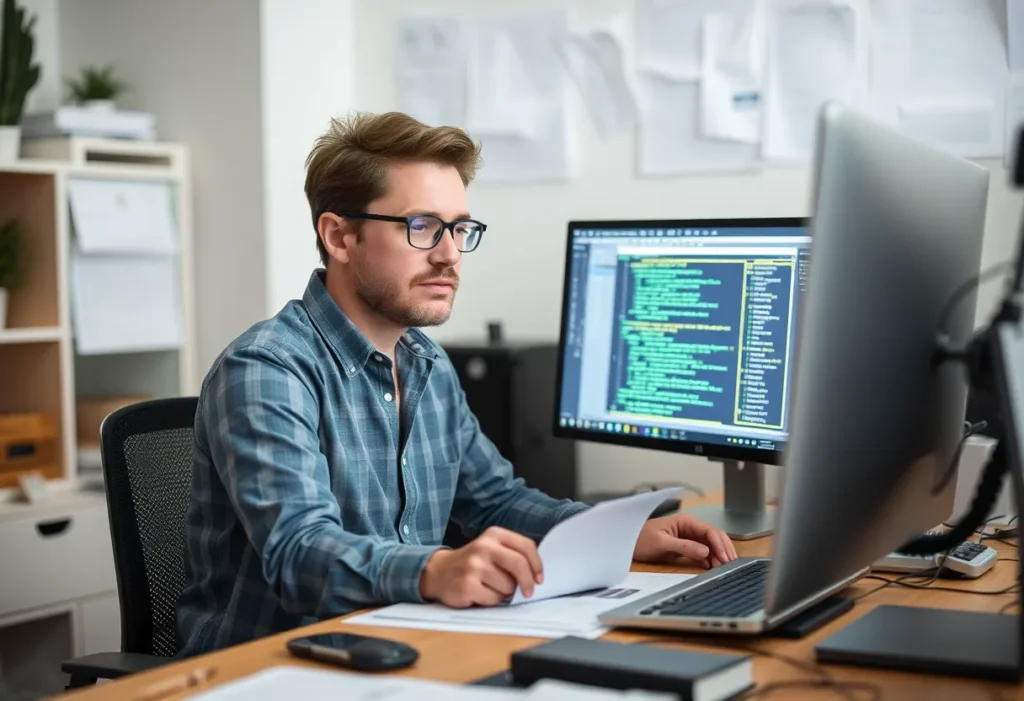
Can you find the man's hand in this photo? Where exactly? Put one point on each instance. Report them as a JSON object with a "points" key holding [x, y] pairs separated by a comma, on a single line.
{"points": [[682, 535], [483, 573]]}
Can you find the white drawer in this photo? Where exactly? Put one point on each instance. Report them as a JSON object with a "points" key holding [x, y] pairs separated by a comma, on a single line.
{"points": [[57, 557]]}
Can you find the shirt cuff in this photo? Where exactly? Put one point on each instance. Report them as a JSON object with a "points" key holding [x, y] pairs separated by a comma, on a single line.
{"points": [[401, 572]]}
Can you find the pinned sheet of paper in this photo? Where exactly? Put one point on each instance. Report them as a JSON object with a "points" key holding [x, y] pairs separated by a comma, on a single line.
{"points": [[732, 73], [939, 71], [517, 96], [123, 304], [817, 53], [670, 138], [431, 66], [669, 36], [114, 216], [596, 59]]}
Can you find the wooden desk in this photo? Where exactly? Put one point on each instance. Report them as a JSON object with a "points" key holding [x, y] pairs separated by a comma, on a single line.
{"points": [[460, 657]]}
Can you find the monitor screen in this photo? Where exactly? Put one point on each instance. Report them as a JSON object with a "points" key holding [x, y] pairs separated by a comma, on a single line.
{"points": [[678, 335]]}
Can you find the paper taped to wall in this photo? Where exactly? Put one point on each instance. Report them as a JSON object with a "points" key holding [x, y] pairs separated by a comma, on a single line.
{"points": [[670, 139], [431, 65], [596, 61], [817, 53], [732, 73]]}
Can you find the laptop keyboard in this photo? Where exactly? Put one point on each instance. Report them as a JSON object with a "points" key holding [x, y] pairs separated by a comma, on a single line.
{"points": [[735, 594]]}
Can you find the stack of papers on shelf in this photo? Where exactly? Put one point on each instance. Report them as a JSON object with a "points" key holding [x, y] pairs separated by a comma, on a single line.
{"points": [[83, 121], [328, 685]]}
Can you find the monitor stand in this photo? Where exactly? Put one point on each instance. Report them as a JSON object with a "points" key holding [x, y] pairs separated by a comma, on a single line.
{"points": [[744, 514]]}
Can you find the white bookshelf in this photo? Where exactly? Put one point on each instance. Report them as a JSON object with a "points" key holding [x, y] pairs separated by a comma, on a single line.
{"points": [[40, 330]]}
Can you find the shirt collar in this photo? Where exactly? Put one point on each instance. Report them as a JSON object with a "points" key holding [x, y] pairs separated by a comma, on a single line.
{"points": [[354, 348]]}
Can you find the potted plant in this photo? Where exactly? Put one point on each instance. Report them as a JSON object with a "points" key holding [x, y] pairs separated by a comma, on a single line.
{"points": [[10, 259], [18, 75], [96, 88]]}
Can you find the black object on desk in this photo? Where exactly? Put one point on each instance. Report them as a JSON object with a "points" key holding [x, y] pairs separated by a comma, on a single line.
{"points": [[687, 673], [805, 623], [935, 641]]}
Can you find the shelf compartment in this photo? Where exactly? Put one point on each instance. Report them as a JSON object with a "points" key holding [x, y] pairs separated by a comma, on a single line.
{"points": [[30, 378], [30, 198]]}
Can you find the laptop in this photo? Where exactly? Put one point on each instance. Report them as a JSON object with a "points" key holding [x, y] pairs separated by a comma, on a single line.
{"points": [[727, 599]]}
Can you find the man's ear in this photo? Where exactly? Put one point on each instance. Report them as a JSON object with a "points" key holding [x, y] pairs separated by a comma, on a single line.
{"points": [[337, 235]]}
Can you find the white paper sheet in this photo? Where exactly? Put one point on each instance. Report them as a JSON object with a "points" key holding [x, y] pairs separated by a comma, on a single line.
{"points": [[1015, 34], [431, 69], [732, 68], [594, 548], [670, 141], [114, 216], [942, 61], [1014, 116], [550, 618], [817, 53], [596, 60], [517, 96], [309, 684], [669, 36], [124, 303]]}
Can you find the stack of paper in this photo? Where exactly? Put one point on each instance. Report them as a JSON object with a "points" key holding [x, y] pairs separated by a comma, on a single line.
{"points": [[68, 120], [328, 685], [125, 294]]}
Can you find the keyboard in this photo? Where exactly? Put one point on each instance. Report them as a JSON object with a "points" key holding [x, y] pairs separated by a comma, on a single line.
{"points": [[735, 594]]}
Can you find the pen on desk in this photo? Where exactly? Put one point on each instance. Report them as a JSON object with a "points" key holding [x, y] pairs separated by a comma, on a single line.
{"points": [[172, 685]]}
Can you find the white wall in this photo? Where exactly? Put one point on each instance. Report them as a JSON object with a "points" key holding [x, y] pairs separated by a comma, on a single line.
{"points": [[196, 66], [516, 275], [307, 75]]}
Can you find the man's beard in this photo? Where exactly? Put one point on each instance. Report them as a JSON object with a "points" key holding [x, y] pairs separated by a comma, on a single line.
{"points": [[383, 298]]}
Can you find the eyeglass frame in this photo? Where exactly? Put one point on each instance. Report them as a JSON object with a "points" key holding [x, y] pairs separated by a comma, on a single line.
{"points": [[407, 220]]}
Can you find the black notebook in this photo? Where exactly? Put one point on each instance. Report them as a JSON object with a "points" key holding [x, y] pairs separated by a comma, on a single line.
{"points": [[694, 676]]}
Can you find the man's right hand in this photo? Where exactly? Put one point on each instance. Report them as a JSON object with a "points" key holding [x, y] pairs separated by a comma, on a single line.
{"points": [[483, 573]]}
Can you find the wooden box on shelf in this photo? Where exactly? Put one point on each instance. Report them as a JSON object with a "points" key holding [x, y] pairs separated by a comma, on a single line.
{"points": [[28, 443], [90, 412]]}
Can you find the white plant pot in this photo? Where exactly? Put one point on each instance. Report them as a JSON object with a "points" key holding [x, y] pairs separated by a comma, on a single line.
{"points": [[10, 143], [3, 308], [99, 105]]}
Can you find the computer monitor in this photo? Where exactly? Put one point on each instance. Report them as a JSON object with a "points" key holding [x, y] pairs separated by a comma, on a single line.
{"points": [[678, 335], [874, 418]]}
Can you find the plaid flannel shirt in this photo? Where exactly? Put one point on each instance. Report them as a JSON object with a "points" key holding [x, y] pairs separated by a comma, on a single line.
{"points": [[311, 497]]}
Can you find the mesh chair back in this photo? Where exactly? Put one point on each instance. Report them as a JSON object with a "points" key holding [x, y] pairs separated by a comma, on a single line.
{"points": [[147, 467]]}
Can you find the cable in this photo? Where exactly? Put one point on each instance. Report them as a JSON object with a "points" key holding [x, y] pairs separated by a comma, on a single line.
{"points": [[840, 687], [965, 289], [928, 586], [969, 430]]}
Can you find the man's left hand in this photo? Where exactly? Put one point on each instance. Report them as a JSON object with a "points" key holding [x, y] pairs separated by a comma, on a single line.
{"points": [[681, 535]]}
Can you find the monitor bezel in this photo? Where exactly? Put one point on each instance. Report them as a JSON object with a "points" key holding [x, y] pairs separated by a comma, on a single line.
{"points": [[686, 447]]}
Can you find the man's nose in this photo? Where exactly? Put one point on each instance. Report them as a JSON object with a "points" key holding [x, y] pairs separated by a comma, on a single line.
{"points": [[445, 253]]}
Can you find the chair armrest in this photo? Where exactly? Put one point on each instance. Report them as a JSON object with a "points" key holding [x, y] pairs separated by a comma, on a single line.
{"points": [[87, 669]]}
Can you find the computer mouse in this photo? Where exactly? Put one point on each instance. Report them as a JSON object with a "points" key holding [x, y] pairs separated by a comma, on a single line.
{"points": [[357, 652]]}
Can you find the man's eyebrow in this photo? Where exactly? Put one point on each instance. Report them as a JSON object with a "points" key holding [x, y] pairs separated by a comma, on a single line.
{"points": [[431, 213]]}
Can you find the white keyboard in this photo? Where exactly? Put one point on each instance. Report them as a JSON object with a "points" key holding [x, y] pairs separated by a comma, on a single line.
{"points": [[968, 559]]}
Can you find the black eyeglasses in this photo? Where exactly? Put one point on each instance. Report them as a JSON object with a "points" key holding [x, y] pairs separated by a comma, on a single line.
{"points": [[425, 231]]}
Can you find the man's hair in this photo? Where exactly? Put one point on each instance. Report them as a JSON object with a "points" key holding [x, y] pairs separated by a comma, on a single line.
{"points": [[348, 166]]}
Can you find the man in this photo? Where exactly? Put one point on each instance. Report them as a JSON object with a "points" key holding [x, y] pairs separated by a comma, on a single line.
{"points": [[333, 441]]}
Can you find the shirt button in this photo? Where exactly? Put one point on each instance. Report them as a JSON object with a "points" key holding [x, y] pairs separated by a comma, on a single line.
{"points": [[387, 397], [405, 529], [378, 358], [352, 369], [403, 459]]}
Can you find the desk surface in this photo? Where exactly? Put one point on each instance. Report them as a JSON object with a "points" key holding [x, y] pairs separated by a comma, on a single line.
{"points": [[460, 657]]}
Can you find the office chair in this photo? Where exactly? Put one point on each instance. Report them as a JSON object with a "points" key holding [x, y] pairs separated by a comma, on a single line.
{"points": [[147, 469]]}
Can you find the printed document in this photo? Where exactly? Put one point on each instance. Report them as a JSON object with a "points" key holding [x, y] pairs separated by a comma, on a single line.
{"points": [[574, 614]]}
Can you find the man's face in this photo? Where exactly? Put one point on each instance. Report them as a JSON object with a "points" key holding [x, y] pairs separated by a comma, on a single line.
{"points": [[406, 285]]}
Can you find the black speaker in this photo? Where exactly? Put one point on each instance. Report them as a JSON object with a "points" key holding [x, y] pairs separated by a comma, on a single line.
{"points": [[511, 390]]}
